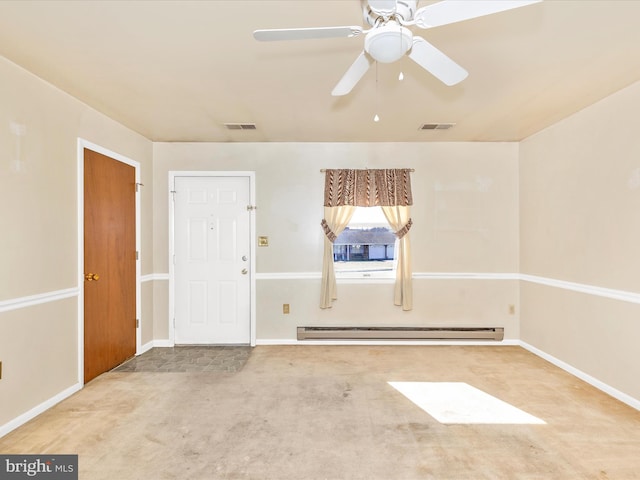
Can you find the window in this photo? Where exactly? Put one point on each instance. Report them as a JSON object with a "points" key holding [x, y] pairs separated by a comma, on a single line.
{"points": [[366, 247], [344, 191]]}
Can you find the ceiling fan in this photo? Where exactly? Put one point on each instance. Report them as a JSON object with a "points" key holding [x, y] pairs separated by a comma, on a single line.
{"points": [[389, 39]]}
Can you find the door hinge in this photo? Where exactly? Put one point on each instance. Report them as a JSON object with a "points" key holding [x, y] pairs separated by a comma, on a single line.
{"points": [[173, 195], [137, 255], [137, 323], [138, 185]]}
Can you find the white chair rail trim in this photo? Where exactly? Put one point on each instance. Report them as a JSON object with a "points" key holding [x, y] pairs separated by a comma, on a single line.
{"points": [[150, 277], [621, 295], [31, 300]]}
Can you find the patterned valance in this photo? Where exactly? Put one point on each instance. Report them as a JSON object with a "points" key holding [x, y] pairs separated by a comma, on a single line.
{"points": [[368, 188]]}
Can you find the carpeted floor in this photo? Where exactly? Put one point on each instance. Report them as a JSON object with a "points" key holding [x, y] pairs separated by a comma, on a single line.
{"points": [[330, 412]]}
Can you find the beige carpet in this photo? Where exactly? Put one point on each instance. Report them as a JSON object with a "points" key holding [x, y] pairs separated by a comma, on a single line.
{"points": [[319, 412]]}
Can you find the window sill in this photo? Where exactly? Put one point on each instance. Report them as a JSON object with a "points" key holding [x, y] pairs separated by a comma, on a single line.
{"points": [[365, 277]]}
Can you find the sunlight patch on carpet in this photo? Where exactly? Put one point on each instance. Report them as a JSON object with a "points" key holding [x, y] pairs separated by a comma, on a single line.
{"points": [[458, 402]]}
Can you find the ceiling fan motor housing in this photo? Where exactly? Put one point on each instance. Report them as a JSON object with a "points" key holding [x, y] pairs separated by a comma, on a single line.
{"points": [[373, 10], [388, 43]]}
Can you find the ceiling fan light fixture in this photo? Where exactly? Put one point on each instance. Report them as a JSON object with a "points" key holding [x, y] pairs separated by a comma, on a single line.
{"points": [[388, 43]]}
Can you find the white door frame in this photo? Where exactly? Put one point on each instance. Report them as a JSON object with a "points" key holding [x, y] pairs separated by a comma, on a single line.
{"points": [[82, 144], [252, 241]]}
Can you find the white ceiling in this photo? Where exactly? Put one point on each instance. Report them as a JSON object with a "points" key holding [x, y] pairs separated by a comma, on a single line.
{"points": [[179, 70]]}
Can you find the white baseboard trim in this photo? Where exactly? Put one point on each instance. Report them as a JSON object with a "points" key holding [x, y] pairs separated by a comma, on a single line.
{"points": [[38, 409], [145, 348], [289, 341], [608, 389], [155, 343]]}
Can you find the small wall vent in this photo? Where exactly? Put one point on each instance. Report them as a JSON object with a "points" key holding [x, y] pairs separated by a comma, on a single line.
{"points": [[240, 126], [436, 126]]}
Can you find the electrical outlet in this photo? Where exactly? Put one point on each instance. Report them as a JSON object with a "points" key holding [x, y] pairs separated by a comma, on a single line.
{"points": [[285, 308], [512, 309]]}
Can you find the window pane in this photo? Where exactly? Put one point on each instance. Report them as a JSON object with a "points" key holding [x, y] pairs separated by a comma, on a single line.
{"points": [[367, 244]]}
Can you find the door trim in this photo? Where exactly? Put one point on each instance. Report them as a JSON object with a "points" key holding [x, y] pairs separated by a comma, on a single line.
{"points": [[82, 144], [252, 243]]}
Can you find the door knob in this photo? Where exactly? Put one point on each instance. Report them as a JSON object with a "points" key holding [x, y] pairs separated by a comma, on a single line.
{"points": [[245, 271], [91, 276]]}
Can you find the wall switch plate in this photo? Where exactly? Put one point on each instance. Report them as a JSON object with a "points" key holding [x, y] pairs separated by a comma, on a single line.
{"points": [[285, 308]]}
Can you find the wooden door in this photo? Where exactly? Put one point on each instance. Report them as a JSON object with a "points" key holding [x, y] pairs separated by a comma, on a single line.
{"points": [[212, 265], [109, 263]]}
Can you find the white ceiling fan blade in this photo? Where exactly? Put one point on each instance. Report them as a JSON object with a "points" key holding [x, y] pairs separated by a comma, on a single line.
{"points": [[452, 11], [436, 62], [353, 75], [306, 33]]}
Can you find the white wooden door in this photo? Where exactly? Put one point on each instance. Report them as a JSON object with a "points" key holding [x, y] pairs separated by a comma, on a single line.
{"points": [[212, 241]]}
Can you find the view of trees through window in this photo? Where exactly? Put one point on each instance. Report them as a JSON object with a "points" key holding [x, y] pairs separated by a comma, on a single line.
{"points": [[367, 245]]}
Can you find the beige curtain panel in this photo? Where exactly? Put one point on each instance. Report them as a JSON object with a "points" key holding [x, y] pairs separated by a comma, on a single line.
{"points": [[334, 222], [400, 220], [344, 190]]}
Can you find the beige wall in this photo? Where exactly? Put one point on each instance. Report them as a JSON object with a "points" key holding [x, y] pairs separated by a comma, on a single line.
{"points": [[579, 217], [465, 221], [561, 205], [38, 345], [40, 126], [437, 302], [595, 335]]}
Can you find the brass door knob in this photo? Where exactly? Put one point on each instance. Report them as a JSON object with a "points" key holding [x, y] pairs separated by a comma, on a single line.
{"points": [[91, 276]]}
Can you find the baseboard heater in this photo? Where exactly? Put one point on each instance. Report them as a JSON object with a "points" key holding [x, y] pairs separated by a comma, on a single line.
{"points": [[400, 333]]}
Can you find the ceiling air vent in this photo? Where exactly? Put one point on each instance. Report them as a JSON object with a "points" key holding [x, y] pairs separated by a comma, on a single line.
{"points": [[436, 126], [240, 126]]}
